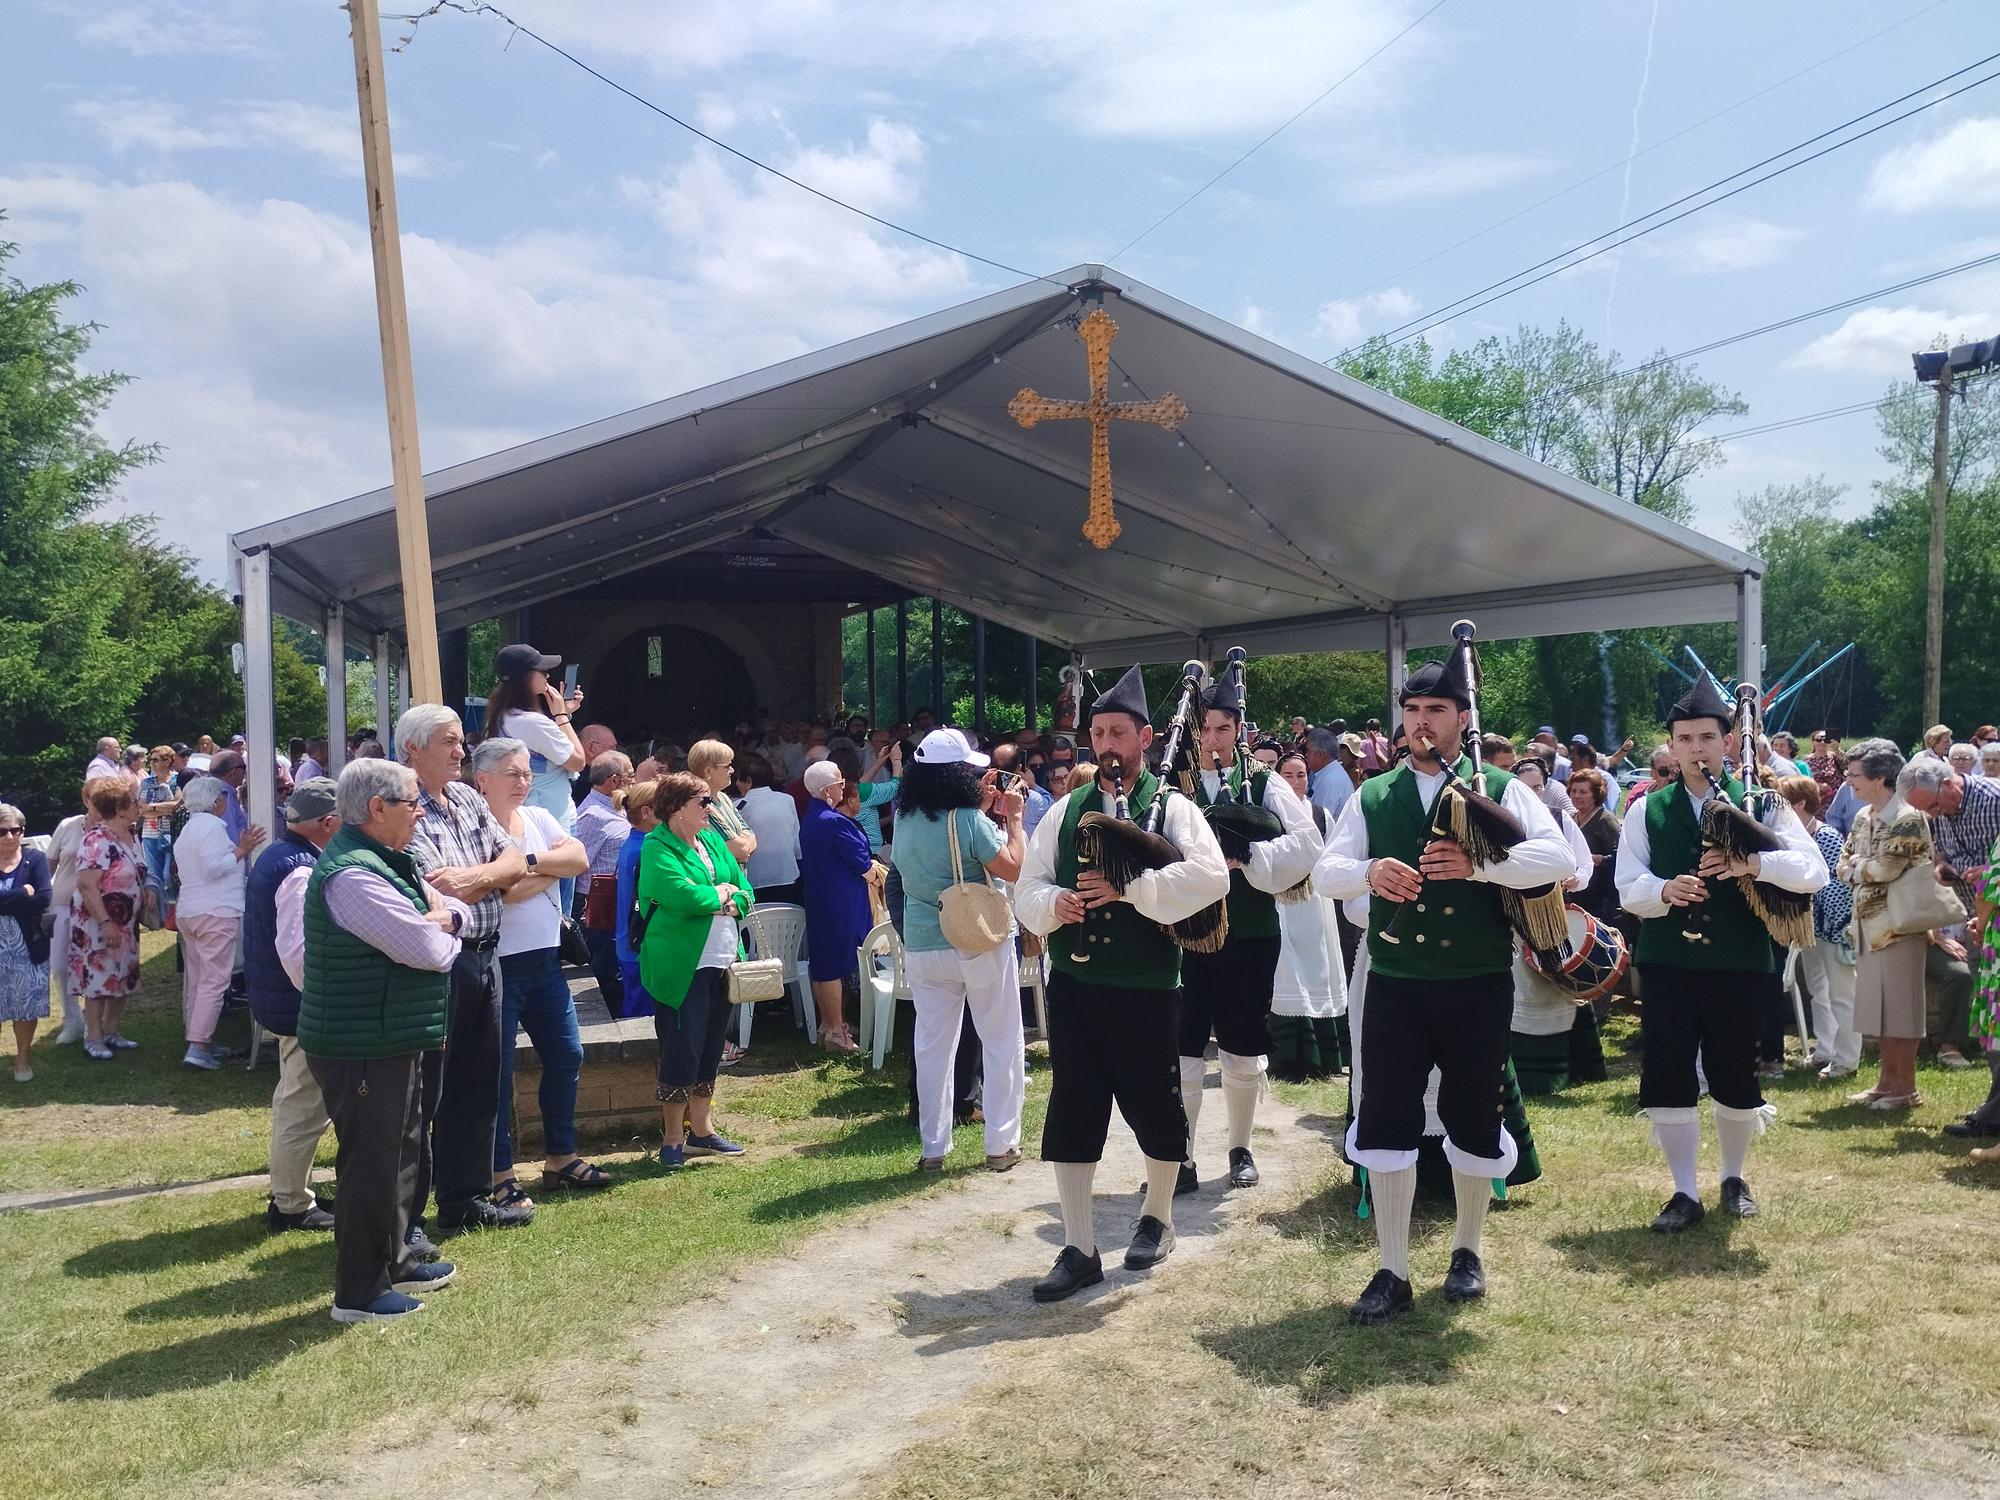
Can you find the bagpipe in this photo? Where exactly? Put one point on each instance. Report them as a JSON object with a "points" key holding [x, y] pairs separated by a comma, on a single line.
{"points": [[1120, 849], [1486, 831], [1741, 831], [1236, 818]]}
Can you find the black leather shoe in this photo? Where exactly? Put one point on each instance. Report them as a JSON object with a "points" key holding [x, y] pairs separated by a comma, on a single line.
{"points": [[1242, 1167], [484, 1213], [1152, 1242], [1466, 1280], [1971, 1129], [1072, 1273], [1736, 1198], [1681, 1212], [1187, 1181], [313, 1218], [419, 1244], [1386, 1296]]}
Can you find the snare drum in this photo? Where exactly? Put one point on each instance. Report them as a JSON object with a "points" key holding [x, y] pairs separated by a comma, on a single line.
{"points": [[1597, 958]]}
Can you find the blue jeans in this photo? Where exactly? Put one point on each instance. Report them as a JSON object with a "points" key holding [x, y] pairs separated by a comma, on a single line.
{"points": [[158, 849], [534, 996]]}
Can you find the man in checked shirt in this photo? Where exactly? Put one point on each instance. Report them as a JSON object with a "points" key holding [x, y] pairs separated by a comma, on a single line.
{"points": [[1965, 820], [460, 850]]}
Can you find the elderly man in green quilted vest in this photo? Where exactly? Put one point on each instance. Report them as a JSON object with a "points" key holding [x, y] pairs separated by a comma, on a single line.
{"points": [[380, 942], [1440, 985], [1706, 969]]}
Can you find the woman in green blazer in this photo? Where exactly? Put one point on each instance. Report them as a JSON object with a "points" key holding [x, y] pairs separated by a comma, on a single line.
{"points": [[692, 893]]}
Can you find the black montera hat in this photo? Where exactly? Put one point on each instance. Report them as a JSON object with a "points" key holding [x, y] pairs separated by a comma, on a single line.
{"points": [[1439, 679], [1127, 696], [1702, 701], [1222, 694]]}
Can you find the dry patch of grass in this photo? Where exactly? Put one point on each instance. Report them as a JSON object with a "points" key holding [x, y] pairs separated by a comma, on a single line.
{"points": [[1843, 1337]]}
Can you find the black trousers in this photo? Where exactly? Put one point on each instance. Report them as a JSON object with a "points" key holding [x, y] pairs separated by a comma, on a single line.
{"points": [[1108, 1046], [1227, 995], [461, 1091], [603, 948], [1461, 1027], [376, 1106], [1716, 1014]]}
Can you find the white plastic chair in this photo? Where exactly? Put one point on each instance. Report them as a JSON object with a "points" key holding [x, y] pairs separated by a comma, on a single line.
{"points": [[1034, 971], [783, 928], [880, 989]]}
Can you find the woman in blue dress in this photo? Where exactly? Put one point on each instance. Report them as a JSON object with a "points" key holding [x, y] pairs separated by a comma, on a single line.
{"points": [[836, 869]]}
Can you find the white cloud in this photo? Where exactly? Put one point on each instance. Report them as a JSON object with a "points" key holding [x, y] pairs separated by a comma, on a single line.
{"points": [[1420, 177], [1725, 243], [1959, 169], [1880, 340], [172, 28], [1352, 319], [331, 137], [251, 326], [1167, 69]]}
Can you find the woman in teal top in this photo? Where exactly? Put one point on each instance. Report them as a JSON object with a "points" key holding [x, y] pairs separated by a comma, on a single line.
{"points": [[692, 894], [944, 800]]}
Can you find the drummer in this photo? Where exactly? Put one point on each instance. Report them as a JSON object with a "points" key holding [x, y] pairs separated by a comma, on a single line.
{"points": [[1555, 1036]]}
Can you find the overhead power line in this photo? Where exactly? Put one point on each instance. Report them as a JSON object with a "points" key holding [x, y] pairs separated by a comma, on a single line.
{"points": [[1324, 95], [481, 8], [1665, 140], [1560, 262]]}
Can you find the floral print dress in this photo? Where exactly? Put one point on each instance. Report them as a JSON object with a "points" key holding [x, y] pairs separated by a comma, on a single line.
{"points": [[104, 956], [1986, 986]]}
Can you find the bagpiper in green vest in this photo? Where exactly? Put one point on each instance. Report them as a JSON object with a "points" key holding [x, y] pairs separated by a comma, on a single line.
{"points": [[1252, 913], [1728, 934], [1113, 945], [1455, 928]]}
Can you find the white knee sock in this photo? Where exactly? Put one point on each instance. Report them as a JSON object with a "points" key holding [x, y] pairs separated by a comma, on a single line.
{"points": [[1680, 1141], [1159, 1200], [1734, 1131], [1394, 1194], [1073, 1179], [1242, 1084], [1194, 1073], [1474, 1195]]}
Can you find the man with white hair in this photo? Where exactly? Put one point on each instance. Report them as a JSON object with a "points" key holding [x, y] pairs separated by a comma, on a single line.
{"points": [[462, 852], [1965, 822], [379, 943], [106, 761]]}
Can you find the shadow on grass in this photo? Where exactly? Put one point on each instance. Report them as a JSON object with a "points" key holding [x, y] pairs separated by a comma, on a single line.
{"points": [[210, 1359], [147, 1253], [1318, 1354], [1966, 1173], [1640, 1257], [889, 1140], [273, 1282]]}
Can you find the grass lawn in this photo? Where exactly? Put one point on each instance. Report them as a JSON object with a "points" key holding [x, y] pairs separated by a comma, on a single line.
{"points": [[158, 1345], [1844, 1334]]}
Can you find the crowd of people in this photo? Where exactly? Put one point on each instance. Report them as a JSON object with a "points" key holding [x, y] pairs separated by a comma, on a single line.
{"points": [[413, 915]]}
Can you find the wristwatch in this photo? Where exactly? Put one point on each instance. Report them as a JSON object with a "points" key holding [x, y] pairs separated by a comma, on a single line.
{"points": [[457, 922], [531, 864]]}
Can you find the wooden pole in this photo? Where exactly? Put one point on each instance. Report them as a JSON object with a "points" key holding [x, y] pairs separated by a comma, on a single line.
{"points": [[1934, 588], [413, 538]]}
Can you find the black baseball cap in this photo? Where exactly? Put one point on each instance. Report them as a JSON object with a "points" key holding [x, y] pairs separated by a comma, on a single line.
{"points": [[520, 660]]}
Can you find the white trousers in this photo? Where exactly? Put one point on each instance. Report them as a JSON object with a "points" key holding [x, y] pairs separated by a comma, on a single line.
{"points": [[298, 1120], [72, 1008], [1830, 983], [943, 982]]}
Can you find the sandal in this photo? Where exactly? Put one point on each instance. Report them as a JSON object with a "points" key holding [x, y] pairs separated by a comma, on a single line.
{"points": [[732, 1055], [508, 1194], [578, 1174]]}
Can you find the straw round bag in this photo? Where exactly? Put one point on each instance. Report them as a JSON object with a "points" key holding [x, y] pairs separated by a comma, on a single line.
{"points": [[974, 916]]}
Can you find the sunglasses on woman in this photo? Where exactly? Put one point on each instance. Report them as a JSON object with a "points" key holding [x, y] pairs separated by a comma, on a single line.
{"points": [[708, 802]]}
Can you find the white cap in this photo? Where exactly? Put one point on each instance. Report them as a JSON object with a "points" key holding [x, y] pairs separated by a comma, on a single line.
{"points": [[820, 775], [943, 747]]}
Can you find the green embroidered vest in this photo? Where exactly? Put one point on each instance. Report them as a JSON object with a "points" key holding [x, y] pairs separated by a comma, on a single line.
{"points": [[1728, 934], [1252, 913], [356, 1002], [1455, 928], [1113, 945]]}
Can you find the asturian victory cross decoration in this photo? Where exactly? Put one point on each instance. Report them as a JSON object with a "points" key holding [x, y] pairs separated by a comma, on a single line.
{"points": [[1028, 407]]}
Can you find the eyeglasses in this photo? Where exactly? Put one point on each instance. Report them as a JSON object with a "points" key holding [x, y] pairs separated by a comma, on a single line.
{"points": [[398, 801], [518, 775]]}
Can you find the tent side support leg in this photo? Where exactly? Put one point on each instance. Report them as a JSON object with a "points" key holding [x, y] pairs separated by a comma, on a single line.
{"points": [[259, 707], [1750, 628], [335, 633], [1398, 653]]}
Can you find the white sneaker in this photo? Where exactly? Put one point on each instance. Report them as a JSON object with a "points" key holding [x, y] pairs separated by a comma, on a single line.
{"points": [[24, 1075], [200, 1057], [72, 1032]]}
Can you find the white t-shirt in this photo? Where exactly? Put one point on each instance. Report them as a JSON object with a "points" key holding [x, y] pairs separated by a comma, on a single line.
{"points": [[536, 922], [543, 736], [719, 952]]}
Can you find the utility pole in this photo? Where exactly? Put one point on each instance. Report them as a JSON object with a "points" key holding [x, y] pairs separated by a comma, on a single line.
{"points": [[413, 537], [1934, 582]]}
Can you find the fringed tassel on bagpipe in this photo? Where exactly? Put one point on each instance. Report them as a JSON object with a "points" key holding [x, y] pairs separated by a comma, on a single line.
{"points": [[1291, 895], [1477, 824], [1540, 916], [1786, 915], [1122, 851]]}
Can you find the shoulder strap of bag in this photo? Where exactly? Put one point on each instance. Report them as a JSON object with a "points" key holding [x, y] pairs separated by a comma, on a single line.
{"points": [[958, 865]]}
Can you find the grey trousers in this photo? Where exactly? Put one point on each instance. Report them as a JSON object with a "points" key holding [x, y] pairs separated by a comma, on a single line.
{"points": [[1947, 999], [378, 1123]]}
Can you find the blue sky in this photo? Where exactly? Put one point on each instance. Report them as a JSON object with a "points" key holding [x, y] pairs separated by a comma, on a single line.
{"points": [[196, 166]]}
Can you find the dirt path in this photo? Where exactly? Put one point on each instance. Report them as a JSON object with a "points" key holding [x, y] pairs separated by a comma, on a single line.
{"points": [[815, 1368]]}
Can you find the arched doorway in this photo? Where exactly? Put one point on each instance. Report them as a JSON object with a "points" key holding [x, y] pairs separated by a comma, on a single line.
{"points": [[668, 683]]}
